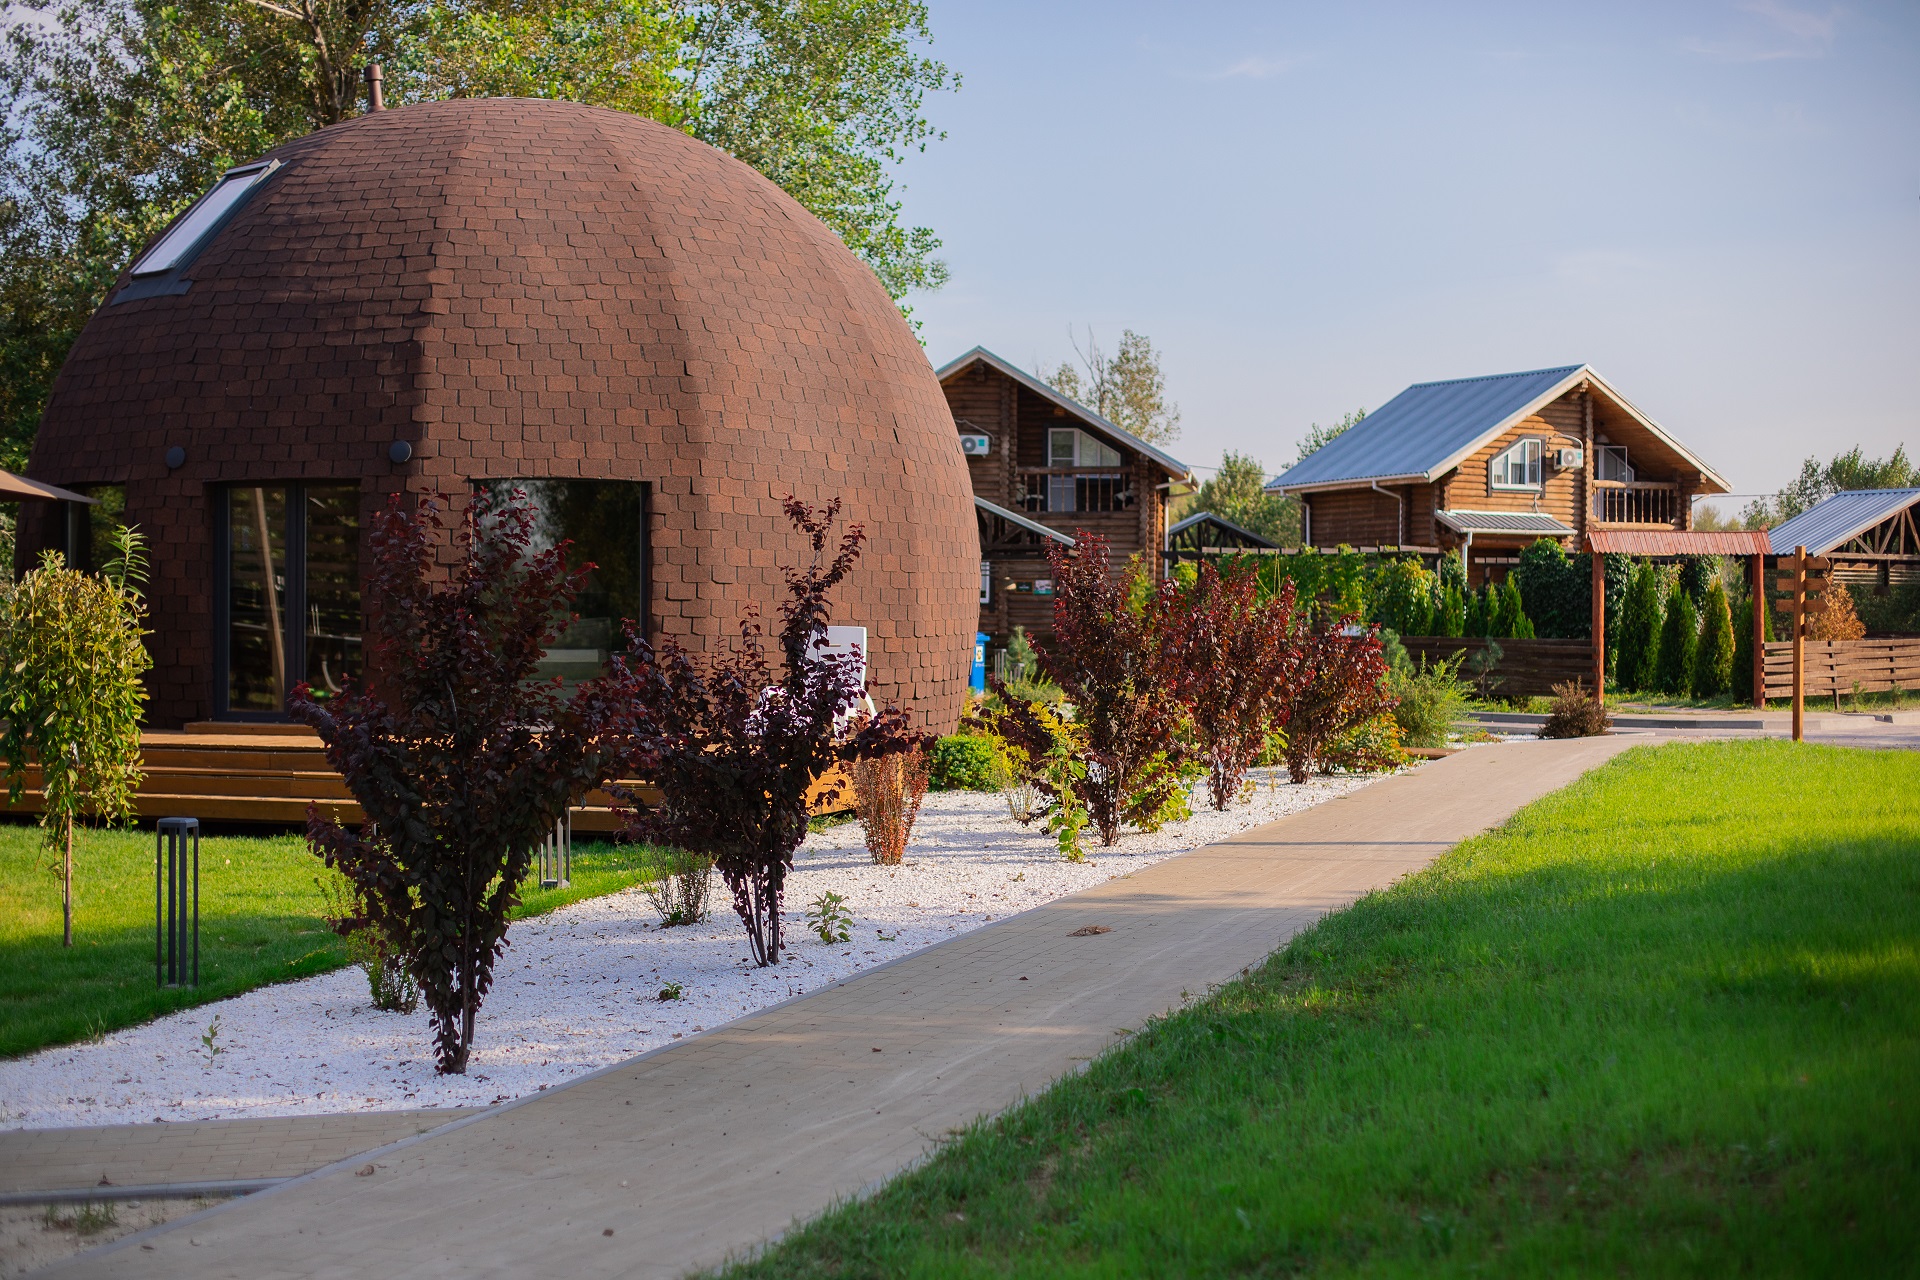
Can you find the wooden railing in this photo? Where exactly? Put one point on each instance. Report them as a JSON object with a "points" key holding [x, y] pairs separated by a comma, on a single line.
{"points": [[1637, 502], [1840, 666], [1060, 489]]}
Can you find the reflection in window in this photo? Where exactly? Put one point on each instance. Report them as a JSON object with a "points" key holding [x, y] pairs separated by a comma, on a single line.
{"points": [[91, 526], [1517, 467], [292, 592], [605, 521]]}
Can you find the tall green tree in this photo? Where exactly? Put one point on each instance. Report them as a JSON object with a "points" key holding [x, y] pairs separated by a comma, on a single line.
{"points": [[1236, 492], [1319, 437], [1128, 388], [121, 112]]}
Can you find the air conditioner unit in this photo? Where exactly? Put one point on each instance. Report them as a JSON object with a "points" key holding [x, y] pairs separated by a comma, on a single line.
{"points": [[1568, 459], [976, 446]]}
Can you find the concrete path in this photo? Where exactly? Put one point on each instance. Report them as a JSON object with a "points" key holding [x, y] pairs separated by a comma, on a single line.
{"points": [[198, 1153], [679, 1158]]}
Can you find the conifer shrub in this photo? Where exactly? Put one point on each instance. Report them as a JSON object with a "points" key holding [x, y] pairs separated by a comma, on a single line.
{"points": [[1679, 639], [1452, 614], [1713, 669], [1641, 617], [1555, 591]]}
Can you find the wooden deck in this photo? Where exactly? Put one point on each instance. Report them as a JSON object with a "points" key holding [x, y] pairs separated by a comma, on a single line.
{"points": [[264, 773]]}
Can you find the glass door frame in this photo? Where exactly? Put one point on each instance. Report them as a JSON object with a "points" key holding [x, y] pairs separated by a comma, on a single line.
{"points": [[293, 600]]}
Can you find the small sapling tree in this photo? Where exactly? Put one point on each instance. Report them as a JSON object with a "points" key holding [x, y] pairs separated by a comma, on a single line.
{"points": [[735, 753], [461, 761], [1231, 658], [71, 663]]}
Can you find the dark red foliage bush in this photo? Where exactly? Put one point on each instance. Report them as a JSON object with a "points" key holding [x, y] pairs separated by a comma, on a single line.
{"points": [[735, 753], [460, 760], [1231, 657], [1108, 659], [1336, 679]]}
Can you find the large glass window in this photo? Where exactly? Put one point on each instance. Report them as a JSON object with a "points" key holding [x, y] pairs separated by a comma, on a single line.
{"points": [[605, 523], [1517, 467], [289, 593]]}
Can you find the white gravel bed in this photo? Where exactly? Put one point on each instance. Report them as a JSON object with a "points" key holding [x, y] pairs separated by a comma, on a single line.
{"points": [[578, 989]]}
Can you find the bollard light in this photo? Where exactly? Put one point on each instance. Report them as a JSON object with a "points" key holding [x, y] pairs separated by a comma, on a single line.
{"points": [[176, 902]]}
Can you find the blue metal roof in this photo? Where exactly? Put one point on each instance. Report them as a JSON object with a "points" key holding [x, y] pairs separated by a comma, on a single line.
{"points": [[1425, 428], [1834, 521]]}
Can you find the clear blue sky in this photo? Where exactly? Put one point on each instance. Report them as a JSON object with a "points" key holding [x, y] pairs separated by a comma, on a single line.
{"points": [[1309, 206]]}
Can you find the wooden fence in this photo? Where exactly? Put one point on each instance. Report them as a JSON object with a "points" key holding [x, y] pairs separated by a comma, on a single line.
{"points": [[1838, 666], [1526, 668]]}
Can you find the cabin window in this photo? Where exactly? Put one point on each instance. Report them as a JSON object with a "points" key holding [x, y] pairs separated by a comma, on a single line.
{"points": [[1614, 464], [1072, 447], [203, 219], [287, 596], [87, 539], [606, 524], [986, 582], [1518, 467]]}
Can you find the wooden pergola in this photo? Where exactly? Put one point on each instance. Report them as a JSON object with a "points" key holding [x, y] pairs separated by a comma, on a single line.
{"points": [[1678, 544]]}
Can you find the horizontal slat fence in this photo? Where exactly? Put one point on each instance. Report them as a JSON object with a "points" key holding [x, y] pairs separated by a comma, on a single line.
{"points": [[1836, 666], [1527, 668]]}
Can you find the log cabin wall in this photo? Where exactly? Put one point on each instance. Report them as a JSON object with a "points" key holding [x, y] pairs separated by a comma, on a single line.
{"points": [[1558, 425], [987, 401]]}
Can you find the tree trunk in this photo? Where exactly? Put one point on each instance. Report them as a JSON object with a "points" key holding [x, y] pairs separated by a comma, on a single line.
{"points": [[66, 888]]}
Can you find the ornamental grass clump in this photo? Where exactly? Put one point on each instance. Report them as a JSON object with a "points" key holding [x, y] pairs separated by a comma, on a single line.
{"points": [[680, 887], [71, 663], [887, 792], [735, 750], [460, 759]]}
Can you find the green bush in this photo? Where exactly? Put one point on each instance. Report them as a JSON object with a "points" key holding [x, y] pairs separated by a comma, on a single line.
{"points": [[1433, 699], [1555, 591], [1713, 668], [1402, 597], [1679, 636], [966, 762]]}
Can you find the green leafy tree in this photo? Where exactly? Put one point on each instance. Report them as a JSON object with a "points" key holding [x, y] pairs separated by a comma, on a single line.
{"points": [[1713, 659], [1820, 480], [71, 663], [1402, 597], [1319, 437], [1679, 637], [121, 112], [1237, 493], [1128, 388], [1641, 617]]}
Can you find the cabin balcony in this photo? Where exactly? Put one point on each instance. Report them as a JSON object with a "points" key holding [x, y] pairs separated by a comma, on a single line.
{"points": [[1069, 489], [1638, 503]]}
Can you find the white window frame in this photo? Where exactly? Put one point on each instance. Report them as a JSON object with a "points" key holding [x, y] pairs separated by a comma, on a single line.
{"points": [[1533, 452], [986, 582], [1081, 443], [1609, 452]]}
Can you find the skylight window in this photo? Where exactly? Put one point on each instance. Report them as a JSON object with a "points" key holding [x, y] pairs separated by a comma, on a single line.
{"points": [[177, 246]]}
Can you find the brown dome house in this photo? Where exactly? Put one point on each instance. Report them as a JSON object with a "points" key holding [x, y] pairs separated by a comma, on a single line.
{"points": [[652, 339]]}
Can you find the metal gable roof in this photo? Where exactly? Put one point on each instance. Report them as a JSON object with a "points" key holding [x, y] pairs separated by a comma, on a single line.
{"points": [[1219, 522], [1173, 465], [1834, 521], [1420, 431], [1019, 521], [1502, 522]]}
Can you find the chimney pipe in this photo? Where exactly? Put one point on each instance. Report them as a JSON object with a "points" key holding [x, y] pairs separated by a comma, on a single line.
{"points": [[375, 100]]}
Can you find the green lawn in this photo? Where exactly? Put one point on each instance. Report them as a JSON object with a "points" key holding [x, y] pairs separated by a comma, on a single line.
{"points": [[259, 923], [1664, 1022]]}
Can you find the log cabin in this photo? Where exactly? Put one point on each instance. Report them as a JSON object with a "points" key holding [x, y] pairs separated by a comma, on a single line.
{"points": [[1045, 468], [1487, 465]]}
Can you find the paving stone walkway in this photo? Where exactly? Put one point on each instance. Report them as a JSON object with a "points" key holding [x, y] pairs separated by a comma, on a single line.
{"points": [[199, 1152], [776, 1116]]}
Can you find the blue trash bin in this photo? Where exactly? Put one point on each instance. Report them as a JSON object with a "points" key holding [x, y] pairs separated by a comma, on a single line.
{"points": [[979, 662]]}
